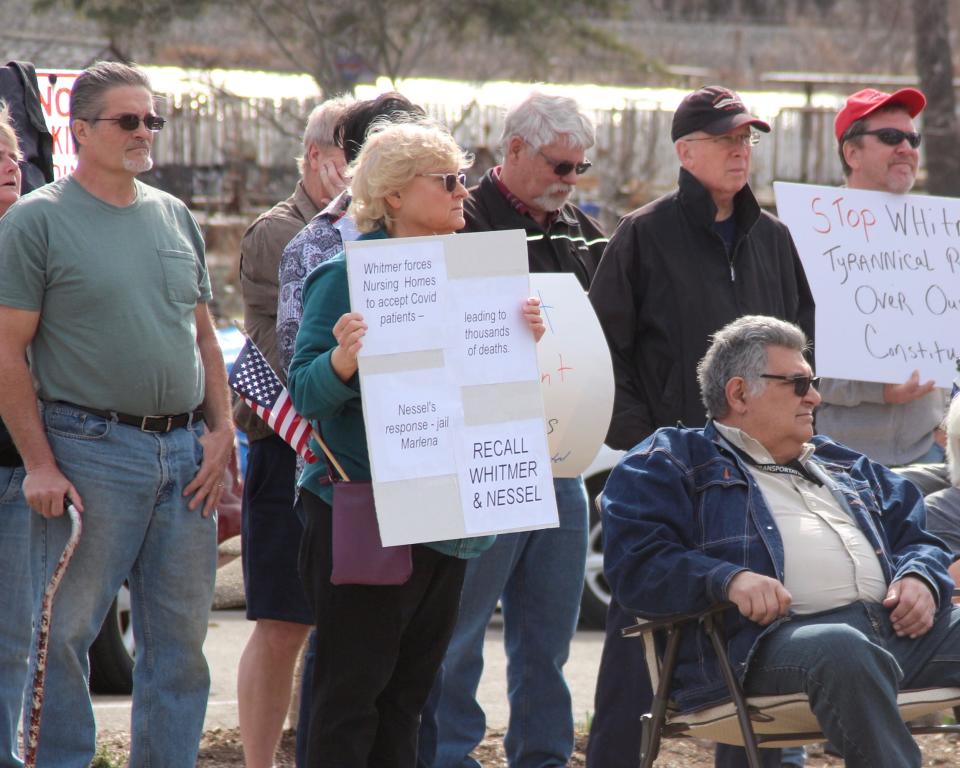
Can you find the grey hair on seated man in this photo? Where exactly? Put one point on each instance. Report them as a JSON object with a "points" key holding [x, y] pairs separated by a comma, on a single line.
{"points": [[740, 349]]}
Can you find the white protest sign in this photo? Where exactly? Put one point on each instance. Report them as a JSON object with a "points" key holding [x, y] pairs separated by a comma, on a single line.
{"points": [[490, 341], [399, 289], [501, 468], [576, 373], [885, 274], [429, 402], [412, 413], [55, 85]]}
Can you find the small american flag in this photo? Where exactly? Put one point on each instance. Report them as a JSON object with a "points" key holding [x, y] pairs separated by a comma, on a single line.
{"points": [[255, 381]]}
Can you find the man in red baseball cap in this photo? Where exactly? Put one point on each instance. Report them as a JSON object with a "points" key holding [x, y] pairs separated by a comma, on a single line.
{"points": [[894, 424], [878, 142]]}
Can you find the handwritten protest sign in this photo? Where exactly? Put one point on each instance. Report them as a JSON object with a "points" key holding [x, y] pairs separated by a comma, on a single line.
{"points": [[885, 274], [451, 395], [576, 374]]}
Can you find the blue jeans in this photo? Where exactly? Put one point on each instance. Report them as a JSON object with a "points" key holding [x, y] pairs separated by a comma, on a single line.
{"points": [[136, 526], [538, 578], [15, 609], [851, 664]]}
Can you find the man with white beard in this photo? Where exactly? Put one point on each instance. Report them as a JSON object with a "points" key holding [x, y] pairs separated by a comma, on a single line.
{"points": [[536, 575]]}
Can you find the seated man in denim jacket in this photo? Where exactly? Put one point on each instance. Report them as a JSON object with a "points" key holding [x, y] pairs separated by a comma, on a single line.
{"points": [[839, 590]]}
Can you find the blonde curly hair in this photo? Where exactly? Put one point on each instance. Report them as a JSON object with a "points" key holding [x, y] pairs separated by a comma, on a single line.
{"points": [[393, 154]]}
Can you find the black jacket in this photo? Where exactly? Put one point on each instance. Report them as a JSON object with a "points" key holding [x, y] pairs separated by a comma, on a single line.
{"points": [[20, 90], [573, 243], [666, 283]]}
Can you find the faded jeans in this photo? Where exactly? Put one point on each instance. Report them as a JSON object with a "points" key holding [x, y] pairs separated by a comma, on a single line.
{"points": [[15, 609], [851, 664], [136, 526]]}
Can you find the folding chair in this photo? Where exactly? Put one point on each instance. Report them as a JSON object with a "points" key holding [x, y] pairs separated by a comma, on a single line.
{"points": [[774, 721]]}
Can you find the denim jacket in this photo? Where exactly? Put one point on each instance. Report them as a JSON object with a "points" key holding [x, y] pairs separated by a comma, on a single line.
{"points": [[682, 516]]}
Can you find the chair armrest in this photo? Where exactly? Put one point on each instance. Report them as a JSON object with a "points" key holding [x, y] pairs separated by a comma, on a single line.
{"points": [[673, 620]]}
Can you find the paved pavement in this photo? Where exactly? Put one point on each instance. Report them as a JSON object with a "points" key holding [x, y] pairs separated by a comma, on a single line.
{"points": [[229, 631]]}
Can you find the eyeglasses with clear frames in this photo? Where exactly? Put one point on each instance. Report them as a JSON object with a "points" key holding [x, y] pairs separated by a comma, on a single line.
{"points": [[729, 141], [450, 180]]}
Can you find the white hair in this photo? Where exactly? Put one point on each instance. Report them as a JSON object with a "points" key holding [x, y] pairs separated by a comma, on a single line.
{"points": [[542, 119], [321, 125]]}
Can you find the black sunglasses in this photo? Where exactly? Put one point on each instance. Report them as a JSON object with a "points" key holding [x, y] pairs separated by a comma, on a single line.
{"points": [[450, 180], [892, 136], [130, 122], [564, 168], [801, 384]]}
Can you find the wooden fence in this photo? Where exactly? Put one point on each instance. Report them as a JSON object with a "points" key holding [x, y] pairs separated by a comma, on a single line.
{"points": [[224, 153]]}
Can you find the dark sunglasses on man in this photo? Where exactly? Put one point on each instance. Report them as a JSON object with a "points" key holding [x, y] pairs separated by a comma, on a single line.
{"points": [[891, 136], [801, 384], [130, 122], [564, 168], [450, 180]]}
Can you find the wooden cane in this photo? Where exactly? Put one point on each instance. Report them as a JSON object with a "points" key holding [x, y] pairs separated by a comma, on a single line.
{"points": [[32, 734]]}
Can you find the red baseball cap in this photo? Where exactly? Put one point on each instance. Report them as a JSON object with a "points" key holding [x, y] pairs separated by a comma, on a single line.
{"points": [[869, 100]]}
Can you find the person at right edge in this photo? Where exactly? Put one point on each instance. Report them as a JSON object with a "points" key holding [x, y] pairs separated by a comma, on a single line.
{"points": [[676, 271], [894, 424]]}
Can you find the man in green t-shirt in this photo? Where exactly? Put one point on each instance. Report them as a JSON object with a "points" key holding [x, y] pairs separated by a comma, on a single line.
{"points": [[105, 287]]}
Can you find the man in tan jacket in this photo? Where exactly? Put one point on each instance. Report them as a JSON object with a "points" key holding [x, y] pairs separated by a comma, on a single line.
{"points": [[271, 530]]}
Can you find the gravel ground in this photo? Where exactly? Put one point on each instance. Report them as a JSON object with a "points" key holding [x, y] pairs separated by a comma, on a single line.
{"points": [[221, 749]]}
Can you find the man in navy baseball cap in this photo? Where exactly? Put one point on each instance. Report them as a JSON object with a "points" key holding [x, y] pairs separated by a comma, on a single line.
{"points": [[676, 271]]}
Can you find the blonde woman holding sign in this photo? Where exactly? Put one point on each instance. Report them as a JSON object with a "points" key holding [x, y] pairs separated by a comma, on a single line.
{"points": [[378, 646]]}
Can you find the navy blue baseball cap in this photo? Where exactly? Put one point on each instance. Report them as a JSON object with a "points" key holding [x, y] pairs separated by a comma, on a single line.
{"points": [[714, 110]]}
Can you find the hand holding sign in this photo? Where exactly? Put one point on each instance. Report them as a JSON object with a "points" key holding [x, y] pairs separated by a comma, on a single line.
{"points": [[907, 392], [348, 331], [531, 313]]}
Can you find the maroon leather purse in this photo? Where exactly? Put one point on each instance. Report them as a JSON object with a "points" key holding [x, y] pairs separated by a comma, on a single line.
{"points": [[358, 555]]}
